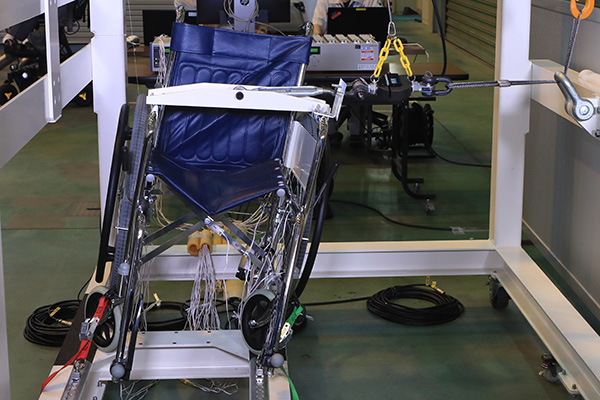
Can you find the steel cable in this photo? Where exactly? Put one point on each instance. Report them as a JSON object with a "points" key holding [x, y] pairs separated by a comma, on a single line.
{"points": [[572, 38]]}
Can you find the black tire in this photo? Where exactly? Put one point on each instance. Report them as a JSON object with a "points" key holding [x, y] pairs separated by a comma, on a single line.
{"points": [[418, 125], [135, 155], [106, 252], [311, 126], [133, 215], [550, 376], [500, 298]]}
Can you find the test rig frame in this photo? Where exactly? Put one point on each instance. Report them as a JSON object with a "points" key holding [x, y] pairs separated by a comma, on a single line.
{"points": [[569, 338]]}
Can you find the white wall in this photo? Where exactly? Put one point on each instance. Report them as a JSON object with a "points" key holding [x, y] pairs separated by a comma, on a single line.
{"points": [[562, 175]]}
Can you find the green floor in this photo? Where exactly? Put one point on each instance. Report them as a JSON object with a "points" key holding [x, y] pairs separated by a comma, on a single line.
{"points": [[48, 209]]}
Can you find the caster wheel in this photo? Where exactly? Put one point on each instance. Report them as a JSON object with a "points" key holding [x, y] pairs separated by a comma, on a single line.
{"points": [[550, 376], [498, 295], [7, 92], [256, 318], [106, 337], [301, 321]]}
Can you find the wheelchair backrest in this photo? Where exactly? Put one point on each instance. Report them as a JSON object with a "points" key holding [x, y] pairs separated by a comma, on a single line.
{"points": [[216, 138]]}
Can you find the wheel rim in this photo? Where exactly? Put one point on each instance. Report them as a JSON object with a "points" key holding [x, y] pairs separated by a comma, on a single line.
{"points": [[107, 332], [257, 309]]}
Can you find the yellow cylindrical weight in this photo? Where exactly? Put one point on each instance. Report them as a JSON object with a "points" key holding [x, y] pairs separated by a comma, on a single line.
{"points": [[198, 239], [234, 288]]}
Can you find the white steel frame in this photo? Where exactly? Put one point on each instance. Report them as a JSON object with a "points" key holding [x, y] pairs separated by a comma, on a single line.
{"points": [[566, 334]]}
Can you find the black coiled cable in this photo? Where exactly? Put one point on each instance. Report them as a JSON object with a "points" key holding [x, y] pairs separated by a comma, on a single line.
{"points": [[48, 325], [445, 309]]}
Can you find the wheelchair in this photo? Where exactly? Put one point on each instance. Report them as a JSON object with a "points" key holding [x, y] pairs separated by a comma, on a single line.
{"points": [[231, 126]]}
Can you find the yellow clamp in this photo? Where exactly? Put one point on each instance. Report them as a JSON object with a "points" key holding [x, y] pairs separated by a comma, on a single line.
{"points": [[587, 9], [385, 51]]}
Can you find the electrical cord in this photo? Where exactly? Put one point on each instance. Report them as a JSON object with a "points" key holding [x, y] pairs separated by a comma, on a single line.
{"points": [[176, 323], [48, 325], [435, 153], [445, 309], [393, 221], [83, 287], [328, 303], [442, 35]]}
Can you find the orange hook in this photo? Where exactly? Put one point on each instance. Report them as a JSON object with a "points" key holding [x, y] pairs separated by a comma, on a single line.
{"points": [[587, 9]]}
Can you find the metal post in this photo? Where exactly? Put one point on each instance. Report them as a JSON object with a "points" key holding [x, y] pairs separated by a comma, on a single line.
{"points": [[109, 69], [511, 122], [53, 93], [4, 366]]}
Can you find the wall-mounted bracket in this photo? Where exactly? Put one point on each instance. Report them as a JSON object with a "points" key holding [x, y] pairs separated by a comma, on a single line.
{"points": [[575, 95]]}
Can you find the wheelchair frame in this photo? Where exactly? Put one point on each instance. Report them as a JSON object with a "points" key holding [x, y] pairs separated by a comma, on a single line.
{"points": [[289, 209], [562, 329]]}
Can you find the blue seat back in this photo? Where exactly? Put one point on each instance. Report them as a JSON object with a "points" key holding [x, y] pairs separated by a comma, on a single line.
{"points": [[228, 139]]}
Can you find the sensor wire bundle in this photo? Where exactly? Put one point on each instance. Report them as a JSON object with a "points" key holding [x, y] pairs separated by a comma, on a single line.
{"points": [[202, 314]]}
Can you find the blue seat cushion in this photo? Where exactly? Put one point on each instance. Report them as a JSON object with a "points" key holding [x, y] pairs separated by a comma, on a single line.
{"points": [[217, 138], [216, 191], [217, 159]]}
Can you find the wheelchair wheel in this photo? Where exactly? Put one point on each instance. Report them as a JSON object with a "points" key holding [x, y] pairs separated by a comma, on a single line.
{"points": [[255, 318], [106, 252], [121, 366], [7, 92], [131, 166], [108, 330], [311, 126], [133, 216], [133, 298], [287, 235]]}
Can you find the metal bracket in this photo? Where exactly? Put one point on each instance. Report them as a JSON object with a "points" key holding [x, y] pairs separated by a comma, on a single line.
{"points": [[570, 98], [577, 107]]}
